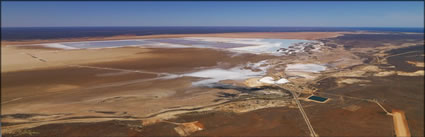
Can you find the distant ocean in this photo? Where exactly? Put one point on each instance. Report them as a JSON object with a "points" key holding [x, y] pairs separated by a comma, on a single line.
{"points": [[27, 33]]}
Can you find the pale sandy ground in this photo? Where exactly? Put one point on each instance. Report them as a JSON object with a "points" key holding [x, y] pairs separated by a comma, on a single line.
{"points": [[18, 59]]}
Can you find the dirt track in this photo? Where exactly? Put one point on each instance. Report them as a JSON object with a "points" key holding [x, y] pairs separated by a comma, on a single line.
{"points": [[400, 124]]}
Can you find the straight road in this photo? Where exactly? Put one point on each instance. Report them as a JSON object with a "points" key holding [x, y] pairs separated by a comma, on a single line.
{"points": [[307, 121]]}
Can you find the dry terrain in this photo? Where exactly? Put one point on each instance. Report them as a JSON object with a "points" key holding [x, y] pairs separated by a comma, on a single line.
{"points": [[135, 91]]}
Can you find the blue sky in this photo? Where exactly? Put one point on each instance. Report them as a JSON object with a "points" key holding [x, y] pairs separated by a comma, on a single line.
{"points": [[192, 13]]}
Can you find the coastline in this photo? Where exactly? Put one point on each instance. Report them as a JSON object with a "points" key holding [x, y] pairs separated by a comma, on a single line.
{"points": [[278, 35]]}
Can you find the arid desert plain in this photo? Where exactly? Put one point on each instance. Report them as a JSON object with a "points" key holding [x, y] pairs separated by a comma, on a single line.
{"points": [[222, 84]]}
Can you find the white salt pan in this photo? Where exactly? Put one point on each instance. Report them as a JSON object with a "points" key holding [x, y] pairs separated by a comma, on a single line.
{"points": [[216, 75], [243, 45], [57, 45], [237, 73]]}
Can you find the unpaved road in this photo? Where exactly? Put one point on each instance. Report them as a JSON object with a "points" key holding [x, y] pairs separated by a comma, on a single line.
{"points": [[400, 124]]}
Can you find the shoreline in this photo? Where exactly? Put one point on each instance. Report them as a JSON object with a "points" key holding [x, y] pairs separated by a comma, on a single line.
{"points": [[282, 35]]}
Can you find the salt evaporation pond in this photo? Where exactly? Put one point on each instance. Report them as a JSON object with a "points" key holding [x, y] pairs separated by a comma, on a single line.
{"points": [[253, 45], [215, 75], [246, 45], [212, 76], [199, 43]]}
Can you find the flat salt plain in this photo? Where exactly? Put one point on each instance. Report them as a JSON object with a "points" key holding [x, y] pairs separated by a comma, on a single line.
{"points": [[215, 75], [245, 45], [212, 75]]}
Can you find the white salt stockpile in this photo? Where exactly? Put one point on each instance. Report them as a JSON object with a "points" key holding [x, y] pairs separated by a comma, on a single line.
{"points": [[282, 81], [270, 80], [267, 80]]}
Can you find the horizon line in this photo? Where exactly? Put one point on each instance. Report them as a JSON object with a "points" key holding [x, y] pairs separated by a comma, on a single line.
{"points": [[207, 26]]}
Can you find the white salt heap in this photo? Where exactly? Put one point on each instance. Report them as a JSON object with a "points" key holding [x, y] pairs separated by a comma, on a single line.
{"points": [[270, 80]]}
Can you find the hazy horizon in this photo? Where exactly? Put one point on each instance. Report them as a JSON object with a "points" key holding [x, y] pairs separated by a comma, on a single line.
{"points": [[213, 14], [205, 26]]}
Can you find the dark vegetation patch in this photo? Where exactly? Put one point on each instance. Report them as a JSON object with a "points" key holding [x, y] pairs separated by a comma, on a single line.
{"points": [[326, 83], [105, 112], [367, 58], [11, 124], [328, 42], [23, 116], [226, 95], [331, 45], [375, 40], [407, 49], [89, 117], [402, 55], [238, 88]]}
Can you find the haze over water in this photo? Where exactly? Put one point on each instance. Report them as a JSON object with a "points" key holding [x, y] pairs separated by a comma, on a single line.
{"points": [[27, 33]]}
